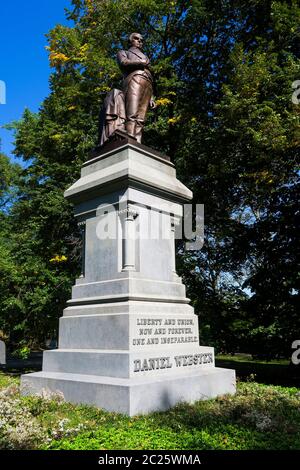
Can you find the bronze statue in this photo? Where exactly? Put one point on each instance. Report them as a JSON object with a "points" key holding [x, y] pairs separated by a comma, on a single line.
{"points": [[126, 109], [112, 115]]}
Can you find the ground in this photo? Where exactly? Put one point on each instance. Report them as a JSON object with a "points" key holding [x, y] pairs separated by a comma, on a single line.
{"points": [[257, 417]]}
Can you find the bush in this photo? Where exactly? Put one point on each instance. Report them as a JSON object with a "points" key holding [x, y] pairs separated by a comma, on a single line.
{"points": [[257, 417], [18, 428]]}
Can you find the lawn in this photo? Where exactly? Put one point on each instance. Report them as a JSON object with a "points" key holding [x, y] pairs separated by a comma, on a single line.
{"points": [[248, 358], [257, 417], [276, 372]]}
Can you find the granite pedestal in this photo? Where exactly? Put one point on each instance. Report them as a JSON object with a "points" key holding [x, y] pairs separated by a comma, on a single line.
{"points": [[128, 339], [2, 353]]}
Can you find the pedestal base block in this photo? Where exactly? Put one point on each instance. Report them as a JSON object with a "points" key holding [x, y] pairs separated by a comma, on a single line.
{"points": [[128, 339], [133, 396]]}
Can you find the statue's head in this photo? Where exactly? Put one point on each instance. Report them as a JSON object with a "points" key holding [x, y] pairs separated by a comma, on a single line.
{"points": [[136, 40]]}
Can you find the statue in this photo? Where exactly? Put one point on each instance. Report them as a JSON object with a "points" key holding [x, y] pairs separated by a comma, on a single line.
{"points": [[126, 110], [112, 115]]}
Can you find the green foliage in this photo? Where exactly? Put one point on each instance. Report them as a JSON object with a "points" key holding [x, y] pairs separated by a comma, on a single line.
{"points": [[224, 74], [8, 180], [274, 372], [250, 420], [19, 429], [257, 417], [7, 381], [22, 353]]}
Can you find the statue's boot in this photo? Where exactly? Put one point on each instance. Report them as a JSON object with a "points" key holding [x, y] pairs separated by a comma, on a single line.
{"points": [[130, 128], [139, 130]]}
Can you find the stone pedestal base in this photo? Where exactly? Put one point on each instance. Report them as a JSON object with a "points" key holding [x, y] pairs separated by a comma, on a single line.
{"points": [[128, 339], [133, 396]]}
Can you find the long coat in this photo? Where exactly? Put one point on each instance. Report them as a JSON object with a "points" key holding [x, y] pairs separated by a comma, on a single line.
{"points": [[112, 115], [131, 64], [137, 85]]}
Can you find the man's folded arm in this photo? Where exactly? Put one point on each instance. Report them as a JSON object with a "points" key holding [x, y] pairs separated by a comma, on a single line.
{"points": [[124, 61]]}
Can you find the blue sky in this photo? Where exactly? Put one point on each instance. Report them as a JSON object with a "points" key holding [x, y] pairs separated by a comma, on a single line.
{"points": [[24, 65]]}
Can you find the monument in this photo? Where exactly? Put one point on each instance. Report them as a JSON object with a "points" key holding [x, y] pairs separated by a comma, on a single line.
{"points": [[128, 339], [2, 353], [126, 109]]}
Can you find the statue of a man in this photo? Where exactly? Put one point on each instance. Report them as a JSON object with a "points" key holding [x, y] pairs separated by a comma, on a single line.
{"points": [[137, 85], [126, 109]]}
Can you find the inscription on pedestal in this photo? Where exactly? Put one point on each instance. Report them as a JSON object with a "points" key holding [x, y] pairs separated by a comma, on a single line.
{"points": [[163, 331], [156, 363]]}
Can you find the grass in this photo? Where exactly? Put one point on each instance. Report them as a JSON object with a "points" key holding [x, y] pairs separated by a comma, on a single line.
{"points": [[248, 358], [6, 380], [275, 372], [257, 417]]}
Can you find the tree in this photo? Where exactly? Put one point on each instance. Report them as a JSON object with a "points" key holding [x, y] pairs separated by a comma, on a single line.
{"points": [[224, 72]]}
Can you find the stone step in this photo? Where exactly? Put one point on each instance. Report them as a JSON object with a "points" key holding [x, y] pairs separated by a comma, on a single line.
{"points": [[130, 288], [126, 364], [128, 332], [131, 307], [132, 396]]}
